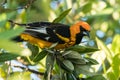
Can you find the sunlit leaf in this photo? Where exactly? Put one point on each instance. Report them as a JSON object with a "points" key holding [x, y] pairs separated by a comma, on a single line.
{"points": [[10, 46], [8, 34], [87, 7], [19, 76], [115, 46], [116, 65], [62, 15], [103, 47], [2, 72], [111, 76]]}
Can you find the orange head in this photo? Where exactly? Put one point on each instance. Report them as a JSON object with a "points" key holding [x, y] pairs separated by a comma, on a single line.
{"points": [[84, 25], [79, 30]]}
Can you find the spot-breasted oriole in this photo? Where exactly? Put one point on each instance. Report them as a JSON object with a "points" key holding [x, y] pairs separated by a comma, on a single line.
{"points": [[44, 34]]}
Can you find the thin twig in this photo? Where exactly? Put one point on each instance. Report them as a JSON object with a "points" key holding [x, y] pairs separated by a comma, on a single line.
{"points": [[28, 69]]}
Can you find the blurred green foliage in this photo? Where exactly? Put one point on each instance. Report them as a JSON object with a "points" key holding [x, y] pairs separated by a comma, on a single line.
{"points": [[102, 15]]}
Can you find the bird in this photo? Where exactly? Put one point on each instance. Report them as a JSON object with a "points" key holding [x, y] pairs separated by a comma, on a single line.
{"points": [[45, 34]]}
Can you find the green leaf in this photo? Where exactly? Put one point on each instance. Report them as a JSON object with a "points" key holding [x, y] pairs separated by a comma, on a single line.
{"points": [[111, 76], [2, 23], [18, 76], [68, 66], [82, 49], [10, 46], [7, 56], [87, 7], [35, 52], [115, 46], [3, 72], [49, 66], [71, 76], [72, 55], [62, 15], [49, 60], [39, 56], [103, 47], [78, 61], [96, 77], [82, 69], [91, 61], [8, 34], [34, 49], [116, 66], [48, 73]]}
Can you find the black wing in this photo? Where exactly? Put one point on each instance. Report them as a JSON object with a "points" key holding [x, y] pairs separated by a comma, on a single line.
{"points": [[47, 31]]}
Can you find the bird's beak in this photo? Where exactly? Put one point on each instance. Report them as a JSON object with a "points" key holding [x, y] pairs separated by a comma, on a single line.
{"points": [[86, 33]]}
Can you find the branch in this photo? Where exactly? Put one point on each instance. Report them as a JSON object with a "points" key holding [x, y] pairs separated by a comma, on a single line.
{"points": [[28, 69]]}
